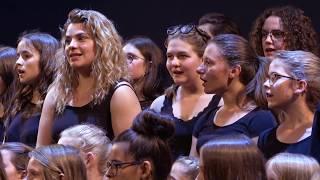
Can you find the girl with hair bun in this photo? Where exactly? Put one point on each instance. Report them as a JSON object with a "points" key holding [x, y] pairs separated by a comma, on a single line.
{"points": [[142, 152]]}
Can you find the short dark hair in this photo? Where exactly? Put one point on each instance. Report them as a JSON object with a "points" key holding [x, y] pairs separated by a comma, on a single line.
{"points": [[221, 24]]}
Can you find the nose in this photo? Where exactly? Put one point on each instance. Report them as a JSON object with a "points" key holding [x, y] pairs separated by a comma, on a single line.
{"points": [[268, 38], [175, 62], [201, 69], [19, 61], [266, 84], [73, 44]]}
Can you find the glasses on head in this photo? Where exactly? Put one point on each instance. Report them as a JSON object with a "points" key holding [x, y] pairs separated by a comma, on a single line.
{"points": [[132, 57], [274, 77], [275, 34], [114, 166], [186, 29]]}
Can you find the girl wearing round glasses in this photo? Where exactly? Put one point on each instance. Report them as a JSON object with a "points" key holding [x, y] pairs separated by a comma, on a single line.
{"points": [[185, 100], [232, 70], [293, 92], [142, 152], [283, 28], [144, 58]]}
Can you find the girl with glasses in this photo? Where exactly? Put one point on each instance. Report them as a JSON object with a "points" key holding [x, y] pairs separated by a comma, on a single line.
{"points": [[293, 92], [185, 100], [283, 28], [142, 152], [145, 60]]}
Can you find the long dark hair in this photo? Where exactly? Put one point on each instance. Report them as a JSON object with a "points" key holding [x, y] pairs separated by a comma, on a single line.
{"points": [[47, 46], [152, 87]]}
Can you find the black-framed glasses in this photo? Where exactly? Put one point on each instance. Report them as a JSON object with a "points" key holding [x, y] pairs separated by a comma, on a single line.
{"points": [[274, 77], [186, 29], [131, 57], [114, 166], [275, 34]]}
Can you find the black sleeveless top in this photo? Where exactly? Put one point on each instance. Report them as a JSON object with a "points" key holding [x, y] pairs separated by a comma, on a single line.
{"points": [[24, 130], [181, 141], [99, 115]]}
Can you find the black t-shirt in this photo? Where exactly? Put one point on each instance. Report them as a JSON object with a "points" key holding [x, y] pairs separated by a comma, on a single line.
{"points": [[251, 125], [270, 145]]}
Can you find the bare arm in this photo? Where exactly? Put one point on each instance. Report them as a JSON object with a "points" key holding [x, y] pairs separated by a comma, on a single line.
{"points": [[46, 120], [124, 107], [193, 150], [157, 103]]}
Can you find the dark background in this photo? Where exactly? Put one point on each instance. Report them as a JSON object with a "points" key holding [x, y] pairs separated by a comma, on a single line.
{"points": [[140, 17]]}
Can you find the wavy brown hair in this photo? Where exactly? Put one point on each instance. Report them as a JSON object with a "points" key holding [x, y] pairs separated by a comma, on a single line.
{"points": [[47, 46], [300, 32], [108, 67]]}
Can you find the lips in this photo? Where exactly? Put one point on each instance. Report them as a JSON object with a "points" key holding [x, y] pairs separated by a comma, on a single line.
{"points": [[20, 72], [268, 94], [177, 72], [74, 55]]}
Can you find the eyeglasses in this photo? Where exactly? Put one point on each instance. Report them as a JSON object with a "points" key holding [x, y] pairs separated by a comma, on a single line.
{"points": [[186, 29], [274, 77], [275, 34], [132, 57], [114, 166]]}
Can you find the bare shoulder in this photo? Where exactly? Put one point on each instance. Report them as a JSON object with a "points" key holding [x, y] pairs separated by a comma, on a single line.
{"points": [[158, 103], [51, 97]]}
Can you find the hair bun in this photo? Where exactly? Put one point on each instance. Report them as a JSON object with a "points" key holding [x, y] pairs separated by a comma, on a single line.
{"points": [[152, 124]]}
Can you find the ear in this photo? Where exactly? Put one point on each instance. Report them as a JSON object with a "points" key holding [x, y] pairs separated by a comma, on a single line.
{"points": [[235, 71], [301, 87], [89, 159], [146, 169]]}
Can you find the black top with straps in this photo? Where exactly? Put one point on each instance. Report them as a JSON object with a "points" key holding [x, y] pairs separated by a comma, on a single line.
{"points": [[182, 139], [97, 114]]}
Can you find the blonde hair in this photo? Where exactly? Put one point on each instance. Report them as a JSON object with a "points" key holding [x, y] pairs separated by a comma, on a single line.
{"points": [[292, 166], [108, 67], [59, 160], [303, 65], [90, 138]]}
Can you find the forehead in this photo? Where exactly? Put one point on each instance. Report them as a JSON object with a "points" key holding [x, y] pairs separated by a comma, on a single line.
{"points": [[26, 45], [34, 165], [178, 45], [212, 51], [277, 66], [119, 151], [272, 23], [76, 28], [129, 48]]}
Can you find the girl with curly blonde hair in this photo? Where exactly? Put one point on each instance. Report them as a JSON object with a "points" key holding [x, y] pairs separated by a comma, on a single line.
{"points": [[89, 86]]}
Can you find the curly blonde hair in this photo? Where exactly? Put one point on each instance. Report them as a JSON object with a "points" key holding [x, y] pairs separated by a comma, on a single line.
{"points": [[108, 67]]}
